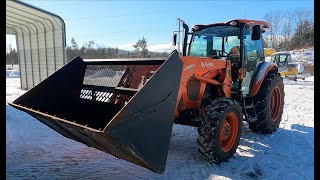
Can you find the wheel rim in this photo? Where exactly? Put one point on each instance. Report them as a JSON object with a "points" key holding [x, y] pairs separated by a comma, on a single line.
{"points": [[275, 103], [228, 132]]}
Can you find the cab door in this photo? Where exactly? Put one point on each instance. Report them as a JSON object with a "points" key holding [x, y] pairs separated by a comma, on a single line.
{"points": [[253, 55]]}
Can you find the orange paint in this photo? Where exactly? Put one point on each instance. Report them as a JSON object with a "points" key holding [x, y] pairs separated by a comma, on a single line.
{"points": [[204, 70], [260, 77]]}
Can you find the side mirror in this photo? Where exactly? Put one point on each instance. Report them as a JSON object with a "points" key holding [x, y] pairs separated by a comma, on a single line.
{"points": [[174, 39], [255, 32]]}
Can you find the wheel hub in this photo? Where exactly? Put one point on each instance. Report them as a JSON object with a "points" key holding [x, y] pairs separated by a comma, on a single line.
{"points": [[228, 132], [275, 103]]}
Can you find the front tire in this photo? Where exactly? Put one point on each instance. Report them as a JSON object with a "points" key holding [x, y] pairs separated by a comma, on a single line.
{"points": [[269, 102], [220, 130]]}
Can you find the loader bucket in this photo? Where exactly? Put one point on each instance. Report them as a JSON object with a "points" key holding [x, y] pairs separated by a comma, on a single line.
{"points": [[122, 107]]}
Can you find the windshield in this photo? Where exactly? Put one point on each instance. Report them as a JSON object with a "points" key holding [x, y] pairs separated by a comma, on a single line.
{"points": [[215, 42], [280, 58]]}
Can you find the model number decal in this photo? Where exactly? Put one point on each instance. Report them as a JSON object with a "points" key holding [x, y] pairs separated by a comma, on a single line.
{"points": [[204, 64], [189, 67]]}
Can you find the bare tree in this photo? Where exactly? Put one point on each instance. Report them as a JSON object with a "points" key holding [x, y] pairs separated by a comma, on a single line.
{"points": [[302, 15], [270, 32], [74, 44], [287, 27], [11, 55], [274, 18], [277, 18], [88, 47]]}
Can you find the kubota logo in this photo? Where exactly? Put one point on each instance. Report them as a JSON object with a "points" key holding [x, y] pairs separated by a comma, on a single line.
{"points": [[203, 64], [189, 67]]}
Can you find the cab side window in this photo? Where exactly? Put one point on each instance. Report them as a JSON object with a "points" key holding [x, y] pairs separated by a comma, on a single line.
{"points": [[273, 59], [283, 58], [253, 51], [277, 58]]}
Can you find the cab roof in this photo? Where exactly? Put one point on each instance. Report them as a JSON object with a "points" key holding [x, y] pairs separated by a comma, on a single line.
{"points": [[282, 53], [239, 21]]}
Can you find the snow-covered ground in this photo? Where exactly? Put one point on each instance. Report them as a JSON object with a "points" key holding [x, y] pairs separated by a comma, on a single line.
{"points": [[12, 73], [308, 81], [13, 89], [36, 151], [303, 56]]}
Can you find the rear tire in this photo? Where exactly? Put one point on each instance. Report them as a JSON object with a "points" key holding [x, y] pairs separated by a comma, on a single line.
{"points": [[220, 130], [269, 102]]}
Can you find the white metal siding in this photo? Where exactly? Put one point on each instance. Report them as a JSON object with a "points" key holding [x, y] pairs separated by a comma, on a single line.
{"points": [[40, 41]]}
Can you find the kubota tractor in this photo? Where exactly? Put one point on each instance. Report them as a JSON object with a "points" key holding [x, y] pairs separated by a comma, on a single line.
{"points": [[127, 107]]}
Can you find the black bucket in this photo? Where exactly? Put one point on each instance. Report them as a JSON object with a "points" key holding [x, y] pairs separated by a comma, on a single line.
{"points": [[122, 107]]}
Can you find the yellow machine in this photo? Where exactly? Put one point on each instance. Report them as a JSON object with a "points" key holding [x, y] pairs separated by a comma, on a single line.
{"points": [[290, 71], [269, 51], [287, 68]]}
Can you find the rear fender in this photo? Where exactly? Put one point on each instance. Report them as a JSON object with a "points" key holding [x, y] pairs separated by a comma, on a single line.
{"points": [[262, 70]]}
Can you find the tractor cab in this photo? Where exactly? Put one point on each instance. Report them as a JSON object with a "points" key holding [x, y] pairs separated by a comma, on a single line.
{"points": [[237, 40]]}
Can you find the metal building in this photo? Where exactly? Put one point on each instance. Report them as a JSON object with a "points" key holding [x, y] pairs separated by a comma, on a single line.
{"points": [[41, 41]]}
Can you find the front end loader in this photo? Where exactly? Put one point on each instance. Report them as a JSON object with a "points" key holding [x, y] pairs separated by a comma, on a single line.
{"points": [[112, 105], [127, 107]]}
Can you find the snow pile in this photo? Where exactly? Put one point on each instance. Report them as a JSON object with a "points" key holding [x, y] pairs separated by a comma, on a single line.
{"points": [[13, 89], [12, 73], [308, 81], [14, 66], [304, 56], [311, 78], [33, 150]]}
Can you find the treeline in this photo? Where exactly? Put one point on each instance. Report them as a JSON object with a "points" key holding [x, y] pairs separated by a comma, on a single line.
{"points": [[90, 50], [11, 55], [290, 29]]}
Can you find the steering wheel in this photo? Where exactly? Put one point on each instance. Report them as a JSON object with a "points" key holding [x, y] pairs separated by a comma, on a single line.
{"points": [[222, 52]]}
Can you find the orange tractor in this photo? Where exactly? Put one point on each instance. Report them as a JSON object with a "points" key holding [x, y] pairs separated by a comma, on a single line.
{"points": [[127, 107]]}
